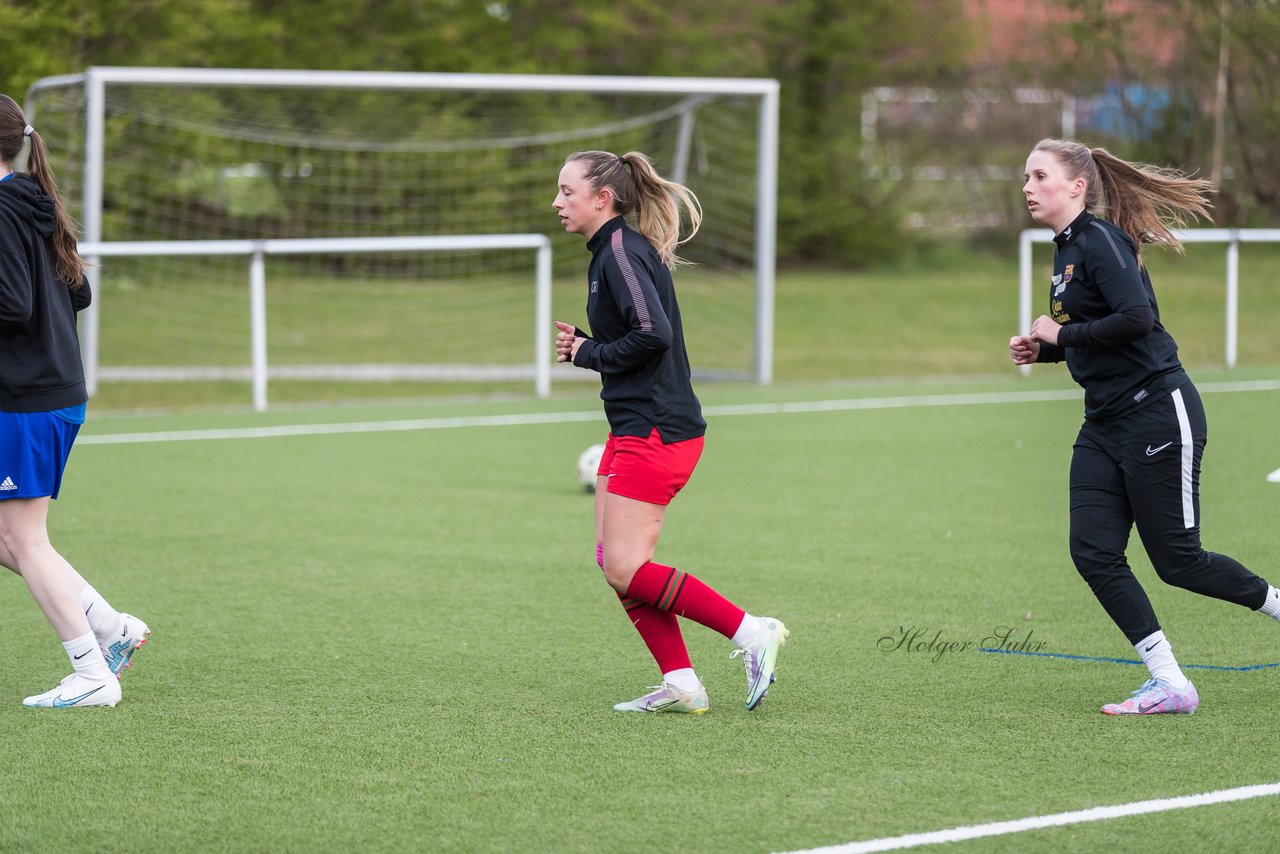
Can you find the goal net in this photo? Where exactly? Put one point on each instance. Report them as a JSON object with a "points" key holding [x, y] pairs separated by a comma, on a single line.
{"points": [[187, 155]]}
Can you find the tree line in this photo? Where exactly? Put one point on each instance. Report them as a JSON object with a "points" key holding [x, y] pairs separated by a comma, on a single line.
{"points": [[1218, 112]]}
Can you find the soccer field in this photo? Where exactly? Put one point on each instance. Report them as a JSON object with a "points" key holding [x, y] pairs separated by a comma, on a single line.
{"points": [[382, 628]]}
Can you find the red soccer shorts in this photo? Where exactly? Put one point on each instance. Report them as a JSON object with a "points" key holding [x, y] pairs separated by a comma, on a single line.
{"points": [[646, 469]]}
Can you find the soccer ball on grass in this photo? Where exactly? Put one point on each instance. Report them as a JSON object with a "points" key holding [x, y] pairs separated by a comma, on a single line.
{"points": [[588, 465]]}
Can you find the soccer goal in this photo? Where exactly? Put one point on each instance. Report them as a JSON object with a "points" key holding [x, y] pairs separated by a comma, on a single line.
{"points": [[150, 156]]}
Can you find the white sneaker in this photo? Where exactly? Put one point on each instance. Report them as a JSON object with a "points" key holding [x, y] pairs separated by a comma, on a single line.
{"points": [[1157, 697], [668, 698], [76, 690], [119, 646], [760, 659]]}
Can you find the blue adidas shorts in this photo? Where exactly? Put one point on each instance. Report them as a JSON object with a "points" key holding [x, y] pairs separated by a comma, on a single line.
{"points": [[34, 447]]}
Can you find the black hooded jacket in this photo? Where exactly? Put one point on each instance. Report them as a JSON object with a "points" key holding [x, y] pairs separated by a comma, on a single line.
{"points": [[638, 340], [40, 367]]}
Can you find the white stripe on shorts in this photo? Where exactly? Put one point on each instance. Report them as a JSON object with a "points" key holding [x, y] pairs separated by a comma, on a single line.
{"points": [[1188, 458]]}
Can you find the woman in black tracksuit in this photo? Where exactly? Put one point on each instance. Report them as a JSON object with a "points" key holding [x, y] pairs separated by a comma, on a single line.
{"points": [[1137, 458]]}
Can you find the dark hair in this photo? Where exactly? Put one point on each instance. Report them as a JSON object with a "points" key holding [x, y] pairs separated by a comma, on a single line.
{"points": [[637, 186], [1143, 201], [13, 133]]}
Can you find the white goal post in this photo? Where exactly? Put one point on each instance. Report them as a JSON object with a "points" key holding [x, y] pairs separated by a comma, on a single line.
{"points": [[1232, 237], [245, 154]]}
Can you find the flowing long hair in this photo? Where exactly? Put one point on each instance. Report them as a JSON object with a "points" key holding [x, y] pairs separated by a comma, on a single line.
{"points": [[1145, 202], [637, 187]]}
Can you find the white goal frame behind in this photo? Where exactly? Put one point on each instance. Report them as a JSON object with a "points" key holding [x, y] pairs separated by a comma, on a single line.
{"points": [[96, 80], [1232, 237]]}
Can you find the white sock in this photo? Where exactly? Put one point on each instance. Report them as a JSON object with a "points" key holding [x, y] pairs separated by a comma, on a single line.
{"points": [[98, 611], [86, 657], [1158, 656], [1271, 607], [684, 679], [747, 631]]}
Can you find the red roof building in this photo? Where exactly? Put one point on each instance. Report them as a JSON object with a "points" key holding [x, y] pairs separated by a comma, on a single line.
{"points": [[1021, 31]]}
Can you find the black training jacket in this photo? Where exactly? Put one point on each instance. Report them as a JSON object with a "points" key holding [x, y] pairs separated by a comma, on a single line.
{"points": [[1112, 338], [40, 367], [637, 342]]}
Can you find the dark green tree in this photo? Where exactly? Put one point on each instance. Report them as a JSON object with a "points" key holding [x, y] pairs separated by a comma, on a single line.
{"points": [[826, 53]]}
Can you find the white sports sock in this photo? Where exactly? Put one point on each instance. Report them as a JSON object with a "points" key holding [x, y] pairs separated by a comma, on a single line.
{"points": [[1271, 607], [747, 631], [1158, 656], [99, 612], [86, 657], [684, 679]]}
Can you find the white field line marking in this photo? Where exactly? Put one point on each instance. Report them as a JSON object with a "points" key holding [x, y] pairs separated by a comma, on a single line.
{"points": [[332, 429], [795, 407], [1274, 477], [1000, 828]]}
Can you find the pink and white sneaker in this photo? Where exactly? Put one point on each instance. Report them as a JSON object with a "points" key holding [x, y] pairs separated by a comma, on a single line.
{"points": [[1157, 697]]}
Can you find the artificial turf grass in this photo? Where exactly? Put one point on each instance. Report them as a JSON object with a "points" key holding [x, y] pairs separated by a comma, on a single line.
{"points": [[427, 655]]}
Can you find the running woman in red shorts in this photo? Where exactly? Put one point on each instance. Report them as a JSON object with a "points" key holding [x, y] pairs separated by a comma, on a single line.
{"points": [[655, 420]]}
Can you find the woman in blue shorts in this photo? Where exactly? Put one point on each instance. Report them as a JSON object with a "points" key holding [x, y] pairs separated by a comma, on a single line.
{"points": [[42, 405], [655, 420]]}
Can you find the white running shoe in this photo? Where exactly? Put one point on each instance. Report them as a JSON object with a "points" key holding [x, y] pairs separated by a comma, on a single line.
{"points": [[77, 691], [668, 698], [119, 646], [760, 659]]}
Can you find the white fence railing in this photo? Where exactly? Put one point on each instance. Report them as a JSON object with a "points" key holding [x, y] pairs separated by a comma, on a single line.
{"points": [[1232, 237], [257, 250]]}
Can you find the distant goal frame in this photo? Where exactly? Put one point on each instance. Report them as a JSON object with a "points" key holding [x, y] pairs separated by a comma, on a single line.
{"points": [[95, 81]]}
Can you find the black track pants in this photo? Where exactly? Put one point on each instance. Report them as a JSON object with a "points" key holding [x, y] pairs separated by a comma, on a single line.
{"points": [[1144, 469]]}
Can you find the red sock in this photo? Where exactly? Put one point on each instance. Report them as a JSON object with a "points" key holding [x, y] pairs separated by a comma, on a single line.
{"points": [[676, 591], [660, 632]]}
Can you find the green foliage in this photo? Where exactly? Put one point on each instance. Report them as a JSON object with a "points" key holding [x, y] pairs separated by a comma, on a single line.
{"points": [[826, 53], [1110, 47], [1254, 103]]}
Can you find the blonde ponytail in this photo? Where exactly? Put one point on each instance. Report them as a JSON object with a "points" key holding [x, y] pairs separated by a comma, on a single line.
{"points": [[638, 188]]}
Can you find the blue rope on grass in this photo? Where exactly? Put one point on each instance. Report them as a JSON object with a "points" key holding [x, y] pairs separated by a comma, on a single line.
{"points": [[1128, 660]]}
